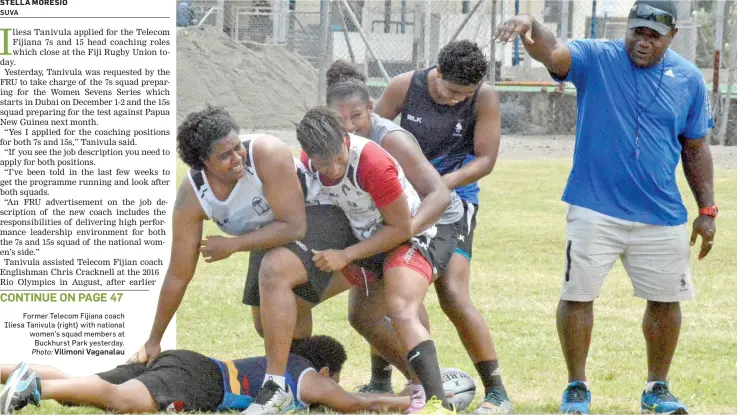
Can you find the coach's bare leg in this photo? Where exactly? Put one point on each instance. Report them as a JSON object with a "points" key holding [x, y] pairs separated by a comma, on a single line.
{"points": [[574, 322], [42, 371], [661, 325], [130, 397], [281, 271]]}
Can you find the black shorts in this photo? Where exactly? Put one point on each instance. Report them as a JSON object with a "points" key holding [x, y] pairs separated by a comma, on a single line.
{"points": [[327, 228], [465, 229], [177, 379], [442, 247]]}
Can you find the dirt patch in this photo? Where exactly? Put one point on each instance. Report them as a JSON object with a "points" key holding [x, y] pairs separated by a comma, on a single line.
{"points": [[260, 85]]}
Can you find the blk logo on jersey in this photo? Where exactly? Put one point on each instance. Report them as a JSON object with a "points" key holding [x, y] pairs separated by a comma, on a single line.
{"points": [[413, 118], [261, 207]]}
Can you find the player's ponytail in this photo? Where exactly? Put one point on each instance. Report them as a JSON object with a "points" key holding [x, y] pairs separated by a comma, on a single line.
{"points": [[340, 71], [343, 82]]}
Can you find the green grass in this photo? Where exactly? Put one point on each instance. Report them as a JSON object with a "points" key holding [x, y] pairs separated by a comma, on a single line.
{"points": [[517, 274]]}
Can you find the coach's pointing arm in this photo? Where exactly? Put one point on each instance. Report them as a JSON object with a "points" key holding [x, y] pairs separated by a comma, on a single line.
{"points": [[540, 43], [187, 222]]}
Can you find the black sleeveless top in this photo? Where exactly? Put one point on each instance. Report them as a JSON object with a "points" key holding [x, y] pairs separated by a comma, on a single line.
{"points": [[445, 133]]}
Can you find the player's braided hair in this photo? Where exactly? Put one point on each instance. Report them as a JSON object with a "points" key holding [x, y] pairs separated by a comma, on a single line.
{"points": [[322, 351], [321, 132], [462, 63], [198, 132], [344, 82]]}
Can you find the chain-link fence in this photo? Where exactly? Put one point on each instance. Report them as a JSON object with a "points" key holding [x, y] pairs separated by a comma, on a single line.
{"points": [[388, 37]]}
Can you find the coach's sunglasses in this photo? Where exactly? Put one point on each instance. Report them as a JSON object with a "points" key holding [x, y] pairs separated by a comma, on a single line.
{"points": [[646, 12]]}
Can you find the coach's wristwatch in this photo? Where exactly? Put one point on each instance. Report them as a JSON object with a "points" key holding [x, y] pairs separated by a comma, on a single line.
{"points": [[709, 211]]}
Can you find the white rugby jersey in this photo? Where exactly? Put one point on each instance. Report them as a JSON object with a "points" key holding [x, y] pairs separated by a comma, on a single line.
{"points": [[246, 208], [358, 205]]}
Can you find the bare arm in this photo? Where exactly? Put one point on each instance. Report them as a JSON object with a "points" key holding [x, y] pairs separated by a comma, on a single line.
{"points": [[697, 164], [540, 43], [698, 169], [187, 220], [422, 175], [397, 229], [276, 169], [486, 141], [321, 390], [390, 103]]}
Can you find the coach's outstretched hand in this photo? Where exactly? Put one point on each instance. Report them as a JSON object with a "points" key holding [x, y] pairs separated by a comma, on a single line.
{"points": [[520, 25], [214, 248], [330, 260]]}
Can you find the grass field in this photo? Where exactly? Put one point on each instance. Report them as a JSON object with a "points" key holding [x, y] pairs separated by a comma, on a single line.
{"points": [[516, 277]]}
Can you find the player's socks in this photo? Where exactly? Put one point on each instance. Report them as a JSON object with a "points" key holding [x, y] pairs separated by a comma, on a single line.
{"points": [[489, 371], [423, 360], [381, 373]]}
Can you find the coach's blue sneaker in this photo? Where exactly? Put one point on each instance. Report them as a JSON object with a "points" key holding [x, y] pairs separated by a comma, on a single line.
{"points": [[23, 387], [659, 400], [495, 402], [576, 399]]}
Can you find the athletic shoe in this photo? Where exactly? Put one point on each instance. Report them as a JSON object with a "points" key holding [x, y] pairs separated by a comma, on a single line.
{"points": [[271, 400], [23, 387], [417, 399], [576, 399], [435, 407], [661, 401], [496, 402], [375, 389]]}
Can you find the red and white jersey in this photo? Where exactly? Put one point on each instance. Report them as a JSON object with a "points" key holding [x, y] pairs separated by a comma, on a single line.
{"points": [[246, 209], [357, 203]]}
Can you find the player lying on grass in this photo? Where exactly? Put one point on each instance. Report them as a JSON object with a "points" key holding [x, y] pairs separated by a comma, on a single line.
{"points": [[182, 380]]}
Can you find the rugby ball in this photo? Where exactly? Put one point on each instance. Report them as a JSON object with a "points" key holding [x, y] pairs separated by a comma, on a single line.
{"points": [[461, 384]]}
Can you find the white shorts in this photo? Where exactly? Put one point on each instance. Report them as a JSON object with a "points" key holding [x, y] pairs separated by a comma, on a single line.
{"points": [[655, 257]]}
